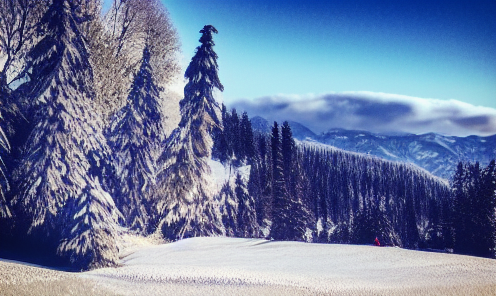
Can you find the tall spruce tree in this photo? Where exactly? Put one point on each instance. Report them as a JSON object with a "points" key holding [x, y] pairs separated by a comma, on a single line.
{"points": [[135, 136], [281, 219], [59, 191], [186, 206], [233, 136], [247, 139], [288, 149]]}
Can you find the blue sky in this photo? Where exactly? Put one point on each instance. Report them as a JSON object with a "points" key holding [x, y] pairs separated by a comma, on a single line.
{"points": [[432, 57], [429, 49]]}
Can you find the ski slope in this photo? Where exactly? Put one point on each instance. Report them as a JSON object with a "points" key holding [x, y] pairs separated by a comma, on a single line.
{"points": [[233, 266], [226, 266]]}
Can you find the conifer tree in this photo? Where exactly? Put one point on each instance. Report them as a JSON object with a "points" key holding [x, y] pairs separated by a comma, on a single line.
{"points": [[247, 140], [487, 216], [281, 219], [220, 149], [474, 197], [247, 225], [294, 183], [462, 211], [233, 135], [288, 149], [411, 238], [135, 136], [228, 209], [59, 191], [185, 205]]}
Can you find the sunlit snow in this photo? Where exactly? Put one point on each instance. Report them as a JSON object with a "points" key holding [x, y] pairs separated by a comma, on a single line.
{"points": [[198, 263]]}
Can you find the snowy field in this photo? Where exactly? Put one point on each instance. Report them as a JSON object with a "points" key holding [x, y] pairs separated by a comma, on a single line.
{"points": [[230, 266]]}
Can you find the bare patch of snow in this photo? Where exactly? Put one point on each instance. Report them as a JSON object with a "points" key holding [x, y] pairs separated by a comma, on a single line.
{"points": [[223, 174], [220, 174]]}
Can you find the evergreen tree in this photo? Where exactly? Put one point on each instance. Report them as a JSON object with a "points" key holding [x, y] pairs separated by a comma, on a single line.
{"points": [[281, 219], [288, 149], [228, 209], [462, 211], [255, 189], [234, 136], [59, 194], [487, 215], [260, 183], [246, 135], [186, 206], [474, 222], [247, 225], [411, 237], [299, 213], [135, 136], [220, 149]]}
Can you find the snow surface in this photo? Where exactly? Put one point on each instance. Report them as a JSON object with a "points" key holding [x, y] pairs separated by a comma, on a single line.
{"points": [[223, 174], [224, 266]]}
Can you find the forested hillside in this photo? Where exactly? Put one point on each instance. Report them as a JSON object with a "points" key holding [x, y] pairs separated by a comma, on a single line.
{"points": [[311, 192]]}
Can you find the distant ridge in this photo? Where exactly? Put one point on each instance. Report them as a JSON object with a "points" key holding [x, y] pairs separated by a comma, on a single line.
{"points": [[436, 153]]}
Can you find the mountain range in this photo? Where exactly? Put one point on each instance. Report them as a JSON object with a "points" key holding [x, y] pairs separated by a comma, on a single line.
{"points": [[436, 153]]}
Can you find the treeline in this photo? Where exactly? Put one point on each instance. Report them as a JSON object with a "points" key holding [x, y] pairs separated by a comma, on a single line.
{"points": [[474, 209], [311, 192]]}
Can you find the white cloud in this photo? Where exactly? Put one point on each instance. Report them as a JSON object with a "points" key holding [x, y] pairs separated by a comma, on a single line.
{"points": [[376, 112]]}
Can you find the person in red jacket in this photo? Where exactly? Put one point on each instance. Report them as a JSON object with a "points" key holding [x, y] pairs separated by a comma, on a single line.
{"points": [[376, 242]]}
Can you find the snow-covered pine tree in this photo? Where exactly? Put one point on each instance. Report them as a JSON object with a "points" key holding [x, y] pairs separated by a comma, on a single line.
{"points": [[185, 205], [18, 20], [135, 135], [228, 205], [59, 192], [247, 225]]}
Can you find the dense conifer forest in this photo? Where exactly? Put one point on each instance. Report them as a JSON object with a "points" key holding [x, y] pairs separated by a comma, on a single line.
{"points": [[317, 193]]}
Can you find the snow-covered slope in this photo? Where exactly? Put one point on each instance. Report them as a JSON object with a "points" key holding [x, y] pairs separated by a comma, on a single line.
{"points": [[438, 154], [233, 266], [224, 266]]}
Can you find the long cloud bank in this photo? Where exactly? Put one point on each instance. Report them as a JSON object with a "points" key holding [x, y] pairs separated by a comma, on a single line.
{"points": [[375, 112]]}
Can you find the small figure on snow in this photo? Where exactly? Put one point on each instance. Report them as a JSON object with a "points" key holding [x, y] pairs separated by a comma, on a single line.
{"points": [[376, 242]]}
